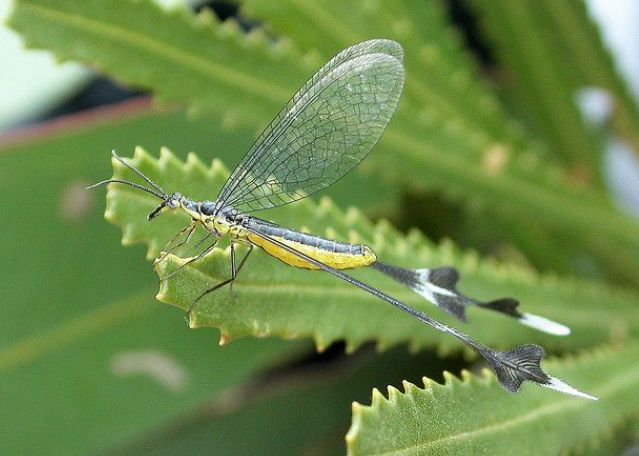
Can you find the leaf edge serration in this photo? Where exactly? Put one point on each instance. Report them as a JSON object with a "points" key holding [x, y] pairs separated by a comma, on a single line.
{"points": [[486, 381], [348, 225]]}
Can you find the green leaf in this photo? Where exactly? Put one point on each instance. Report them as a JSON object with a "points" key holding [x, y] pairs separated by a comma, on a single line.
{"points": [[544, 75], [562, 52], [472, 415], [78, 311], [444, 86], [245, 79], [272, 299], [234, 423], [441, 83], [133, 40]]}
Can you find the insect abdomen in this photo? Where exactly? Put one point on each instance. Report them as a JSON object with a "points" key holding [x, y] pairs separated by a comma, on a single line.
{"points": [[334, 254]]}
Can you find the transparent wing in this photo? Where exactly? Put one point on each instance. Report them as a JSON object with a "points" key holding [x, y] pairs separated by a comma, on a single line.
{"points": [[327, 128]]}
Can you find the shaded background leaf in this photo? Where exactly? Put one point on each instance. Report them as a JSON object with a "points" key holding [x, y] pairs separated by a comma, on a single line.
{"points": [[568, 56], [85, 304], [308, 408]]}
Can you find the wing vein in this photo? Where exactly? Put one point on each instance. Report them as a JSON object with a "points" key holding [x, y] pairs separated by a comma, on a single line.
{"points": [[326, 129]]}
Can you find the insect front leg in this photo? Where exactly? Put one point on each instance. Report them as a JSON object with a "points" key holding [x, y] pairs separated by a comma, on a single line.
{"points": [[199, 242], [200, 255], [190, 228]]}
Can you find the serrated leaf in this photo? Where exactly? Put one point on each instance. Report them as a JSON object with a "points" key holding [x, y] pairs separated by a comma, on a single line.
{"points": [[449, 94], [244, 79], [82, 342], [272, 299], [458, 113], [134, 39], [471, 416], [442, 88]]}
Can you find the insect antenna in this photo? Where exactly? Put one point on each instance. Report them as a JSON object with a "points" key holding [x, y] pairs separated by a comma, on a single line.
{"points": [[157, 192], [132, 184], [139, 173]]}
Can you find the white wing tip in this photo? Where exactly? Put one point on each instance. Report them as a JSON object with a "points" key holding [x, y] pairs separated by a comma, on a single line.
{"points": [[544, 324], [558, 385]]}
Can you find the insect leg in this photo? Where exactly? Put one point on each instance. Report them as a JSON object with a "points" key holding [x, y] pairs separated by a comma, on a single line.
{"points": [[512, 367], [190, 228], [200, 241], [239, 268], [234, 271], [192, 260]]}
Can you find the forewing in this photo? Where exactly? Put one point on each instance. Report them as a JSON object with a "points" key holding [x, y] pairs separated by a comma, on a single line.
{"points": [[326, 129]]}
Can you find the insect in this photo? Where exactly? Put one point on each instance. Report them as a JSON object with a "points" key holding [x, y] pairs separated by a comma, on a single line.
{"points": [[324, 131]]}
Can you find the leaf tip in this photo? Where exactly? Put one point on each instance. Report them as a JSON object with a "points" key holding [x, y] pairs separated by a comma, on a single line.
{"points": [[354, 236], [320, 344], [410, 389], [377, 398], [351, 435], [487, 374], [218, 168], [466, 376], [393, 393], [429, 383], [140, 154], [450, 379], [256, 37], [356, 407], [325, 204], [351, 346], [282, 46], [167, 157], [109, 215], [193, 162], [230, 28], [192, 321], [231, 119], [127, 237], [224, 339], [206, 17]]}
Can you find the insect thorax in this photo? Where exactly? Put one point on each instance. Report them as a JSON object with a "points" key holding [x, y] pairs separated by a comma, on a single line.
{"points": [[217, 219]]}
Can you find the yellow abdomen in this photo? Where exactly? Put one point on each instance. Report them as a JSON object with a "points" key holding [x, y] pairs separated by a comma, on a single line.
{"points": [[333, 254]]}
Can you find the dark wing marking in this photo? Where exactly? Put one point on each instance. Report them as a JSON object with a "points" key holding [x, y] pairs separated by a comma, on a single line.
{"points": [[325, 130], [439, 286]]}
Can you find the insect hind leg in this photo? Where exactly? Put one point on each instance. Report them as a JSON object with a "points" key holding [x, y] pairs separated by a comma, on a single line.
{"points": [[234, 272], [241, 265]]}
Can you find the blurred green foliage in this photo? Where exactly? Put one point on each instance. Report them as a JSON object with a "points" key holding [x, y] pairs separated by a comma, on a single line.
{"points": [[89, 363]]}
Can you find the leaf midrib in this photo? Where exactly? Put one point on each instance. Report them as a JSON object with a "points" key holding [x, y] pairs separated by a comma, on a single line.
{"points": [[164, 50], [609, 388], [337, 288]]}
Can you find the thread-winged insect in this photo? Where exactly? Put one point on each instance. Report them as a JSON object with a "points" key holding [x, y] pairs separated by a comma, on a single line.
{"points": [[323, 132]]}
